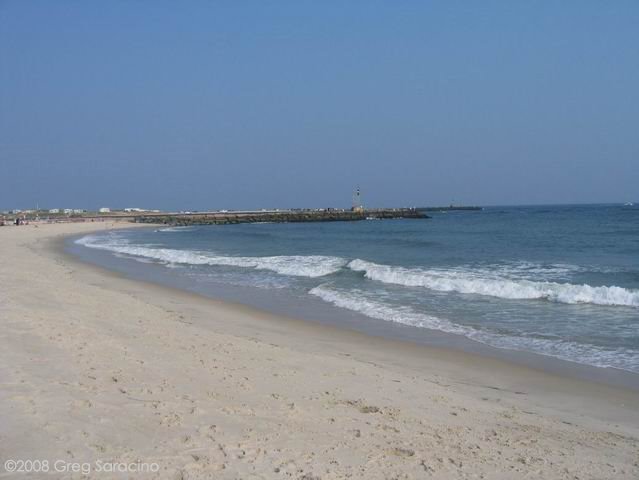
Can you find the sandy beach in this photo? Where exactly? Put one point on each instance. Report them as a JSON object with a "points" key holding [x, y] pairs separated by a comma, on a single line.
{"points": [[98, 368]]}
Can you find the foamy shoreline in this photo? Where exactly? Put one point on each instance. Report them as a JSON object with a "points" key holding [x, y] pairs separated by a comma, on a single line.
{"points": [[96, 366], [333, 306]]}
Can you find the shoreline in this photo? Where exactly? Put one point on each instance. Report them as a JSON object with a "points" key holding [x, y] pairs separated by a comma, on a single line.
{"points": [[459, 357], [347, 320], [170, 362]]}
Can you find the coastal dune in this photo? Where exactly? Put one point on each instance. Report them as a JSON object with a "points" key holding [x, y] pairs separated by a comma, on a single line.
{"points": [[98, 367]]}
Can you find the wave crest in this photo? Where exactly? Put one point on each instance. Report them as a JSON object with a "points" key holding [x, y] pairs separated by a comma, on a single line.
{"points": [[469, 282], [176, 229], [621, 358], [294, 265]]}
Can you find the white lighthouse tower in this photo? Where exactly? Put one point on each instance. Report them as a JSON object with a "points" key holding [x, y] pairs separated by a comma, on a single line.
{"points": [[357, 201]]}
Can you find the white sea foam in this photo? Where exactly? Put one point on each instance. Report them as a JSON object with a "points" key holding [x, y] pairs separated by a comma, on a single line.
{"points": [[481, 282], [355, 300], [175, 229], [295, 265]]}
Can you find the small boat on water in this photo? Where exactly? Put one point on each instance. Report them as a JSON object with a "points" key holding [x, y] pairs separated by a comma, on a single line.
{"points": [[628, 204]]}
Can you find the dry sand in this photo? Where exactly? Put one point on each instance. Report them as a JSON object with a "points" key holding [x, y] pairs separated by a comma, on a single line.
{"points": [[98, 367]]}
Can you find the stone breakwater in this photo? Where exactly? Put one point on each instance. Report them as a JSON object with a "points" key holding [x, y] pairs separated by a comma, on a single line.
{"points": [[290, 216]]}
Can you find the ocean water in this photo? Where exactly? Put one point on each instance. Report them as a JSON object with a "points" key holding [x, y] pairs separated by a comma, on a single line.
{"points": [[560, 281]]}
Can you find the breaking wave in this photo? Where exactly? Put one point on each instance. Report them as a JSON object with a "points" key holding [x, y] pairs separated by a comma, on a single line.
{"points": [[354, 300], [517, 280], [294, 265], [483, 283], [176, 229]]}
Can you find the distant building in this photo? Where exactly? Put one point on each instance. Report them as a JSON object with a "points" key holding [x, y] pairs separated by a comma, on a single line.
{"points": [[54, 210], [79, 210], [105, 210], [129, 210]]}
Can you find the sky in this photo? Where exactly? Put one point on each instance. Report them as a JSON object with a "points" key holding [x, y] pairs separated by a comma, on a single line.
{"points": [[255, 104]]}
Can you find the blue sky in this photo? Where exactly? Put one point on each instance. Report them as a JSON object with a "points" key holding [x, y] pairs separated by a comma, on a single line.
{"points": [[238, 104]]}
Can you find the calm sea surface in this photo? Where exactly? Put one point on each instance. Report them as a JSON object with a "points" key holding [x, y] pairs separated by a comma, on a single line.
{"points": [[561, 281]]}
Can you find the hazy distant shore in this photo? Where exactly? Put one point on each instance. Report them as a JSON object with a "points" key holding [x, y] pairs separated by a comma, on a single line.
{"points": [[96, 366]]}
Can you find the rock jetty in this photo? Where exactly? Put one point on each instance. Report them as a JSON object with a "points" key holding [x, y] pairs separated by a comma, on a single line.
{"points": [[286, 216]]}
